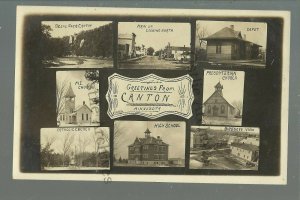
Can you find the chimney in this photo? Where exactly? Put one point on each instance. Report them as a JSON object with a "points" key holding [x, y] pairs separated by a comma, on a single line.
{"points": [[232, 27], [83, 102], [244, 36]]}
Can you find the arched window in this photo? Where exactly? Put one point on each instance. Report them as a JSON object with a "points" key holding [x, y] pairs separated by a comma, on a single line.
{"points": [[87, 116], [208, 109], [222, 109]]}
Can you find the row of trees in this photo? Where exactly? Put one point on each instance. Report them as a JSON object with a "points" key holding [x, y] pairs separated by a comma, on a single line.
{"points": [[75, 151]]}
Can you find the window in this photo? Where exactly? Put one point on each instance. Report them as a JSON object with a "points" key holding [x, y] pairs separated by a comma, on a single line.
{"points": [[218, 48], [145, 155], [87, 116], [208, 109], [82, 116], [222, 109], [145, 147]]}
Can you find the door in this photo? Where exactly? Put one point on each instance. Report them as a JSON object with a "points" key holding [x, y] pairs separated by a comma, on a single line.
{"points": [[215, 111]]}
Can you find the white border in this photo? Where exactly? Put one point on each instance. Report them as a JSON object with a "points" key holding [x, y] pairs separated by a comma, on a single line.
{"points": [[22, 11]]}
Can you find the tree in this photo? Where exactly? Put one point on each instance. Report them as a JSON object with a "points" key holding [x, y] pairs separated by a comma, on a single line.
{"points": [[201, 32], [150, 51], [47, 152], [99, 139], [93, 77], [67, 142], [61, 88], [239, 105], [82, 144]]}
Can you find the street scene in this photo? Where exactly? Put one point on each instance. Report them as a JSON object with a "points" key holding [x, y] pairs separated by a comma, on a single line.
{"points": [[229, 43], [224, 148], [149, 45], [77, 44], [223, 94], [77, 98], [149, 144], [78, 148]]}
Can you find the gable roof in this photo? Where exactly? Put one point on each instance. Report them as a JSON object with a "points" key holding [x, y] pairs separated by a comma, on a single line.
{"points": [[228, 33], [249, 147], [217, 93], [81, 106]]}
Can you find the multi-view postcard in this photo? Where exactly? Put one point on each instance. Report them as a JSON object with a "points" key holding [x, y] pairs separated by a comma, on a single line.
{"points": [[223, 94], [170, 104], [75, 148], [231, 43], [77, 98], [77, 44], [154, 45], [149, 144], [224, 148]]}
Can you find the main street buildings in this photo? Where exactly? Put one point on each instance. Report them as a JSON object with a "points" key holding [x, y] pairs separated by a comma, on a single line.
{"points": [[148, 151]]}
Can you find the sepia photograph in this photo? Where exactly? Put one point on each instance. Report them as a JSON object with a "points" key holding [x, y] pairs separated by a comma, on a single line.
{"points": [[77, 44], [149, 144], [231, 43], [77, 98], [154, 45], [74, 148], [224, 148], [223, 93]]}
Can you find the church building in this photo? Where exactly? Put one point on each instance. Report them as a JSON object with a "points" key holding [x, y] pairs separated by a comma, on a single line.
{"points": [[217, 106], [74, 115], [148, 151]]}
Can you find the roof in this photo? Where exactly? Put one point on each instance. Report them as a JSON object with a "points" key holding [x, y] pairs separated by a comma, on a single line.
{"points": [[180, 48], [249, 147], [220, 96], [70, 92], [125, 35], [228, 33], [148, 140], [80, 106]]}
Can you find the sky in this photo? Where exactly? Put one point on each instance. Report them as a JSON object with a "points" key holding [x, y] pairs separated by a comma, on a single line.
{"points": [[72, 27], [233, 90], [175, 137], [59, 137], [73, 77], [180, 36], [258, 37]]}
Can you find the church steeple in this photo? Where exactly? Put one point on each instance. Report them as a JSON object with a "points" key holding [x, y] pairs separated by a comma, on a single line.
{"points": [[70, 93], [219, 88], [147, 133]]}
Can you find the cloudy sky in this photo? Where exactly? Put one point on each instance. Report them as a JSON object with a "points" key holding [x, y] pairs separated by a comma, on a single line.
{"points": [[57, 146], [175, 137], [233, 90], [67, 28], [73, 78], [180, 36], [258, 37]]}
